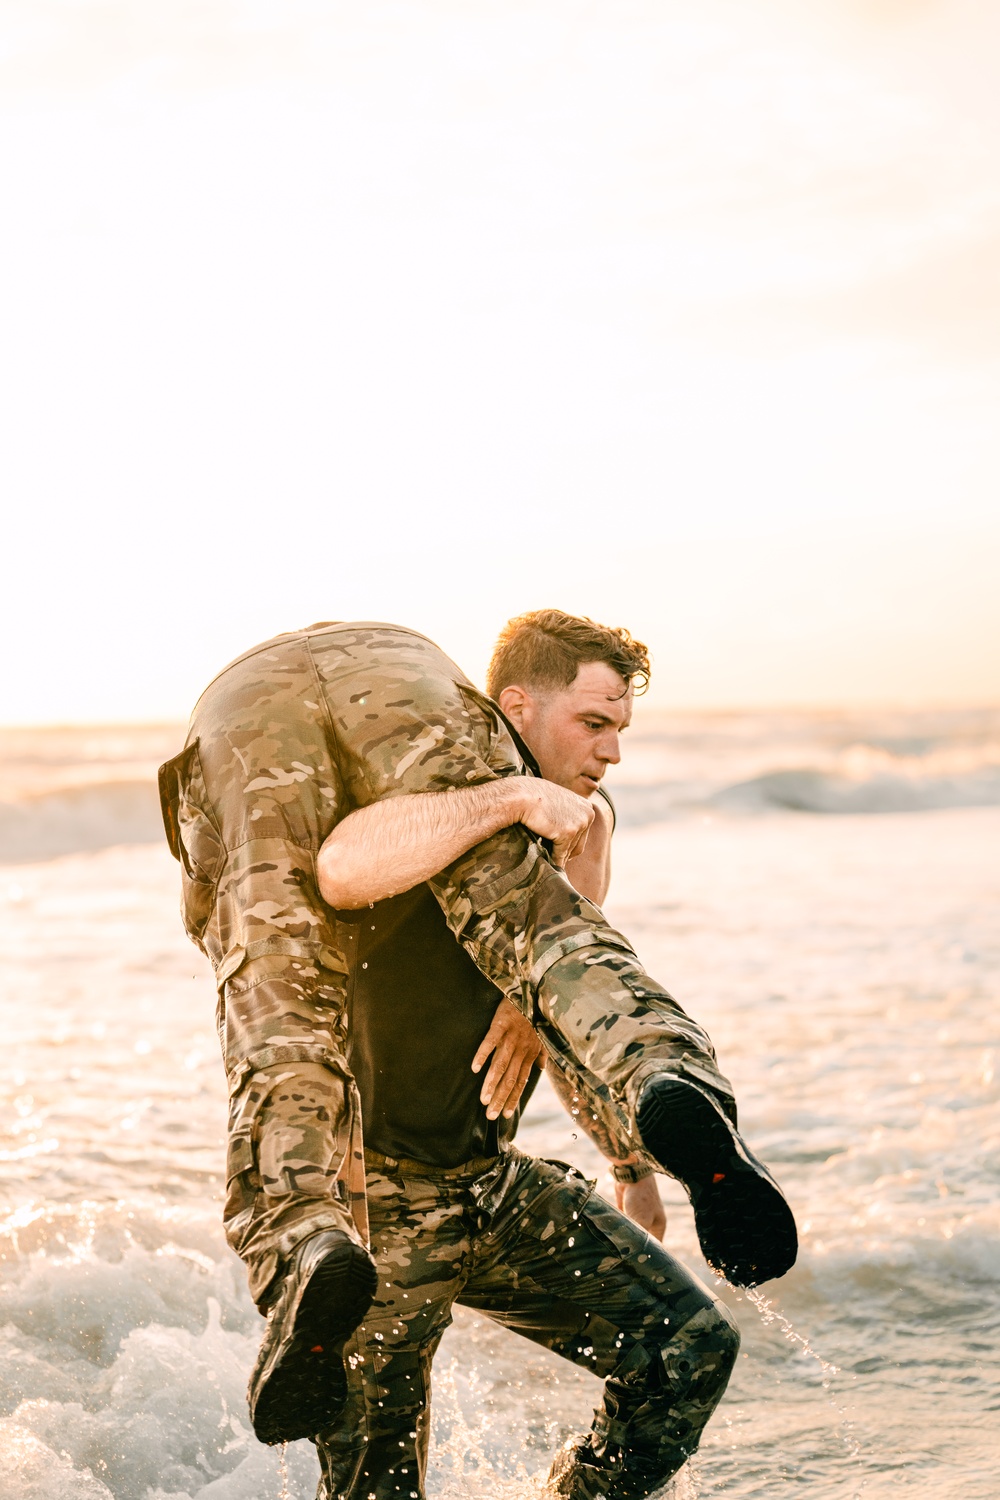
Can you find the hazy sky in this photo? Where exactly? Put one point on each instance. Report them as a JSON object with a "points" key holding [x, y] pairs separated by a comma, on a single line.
{"points": [[685, 316]]}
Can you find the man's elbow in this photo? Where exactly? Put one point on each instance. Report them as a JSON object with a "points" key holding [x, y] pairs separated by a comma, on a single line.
{"points": [[337, 884]]}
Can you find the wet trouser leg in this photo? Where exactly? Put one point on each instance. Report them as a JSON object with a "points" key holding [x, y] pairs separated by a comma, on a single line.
{"points": [[422, 1220], [575, 1275], [283, 744], [558, 1265]]}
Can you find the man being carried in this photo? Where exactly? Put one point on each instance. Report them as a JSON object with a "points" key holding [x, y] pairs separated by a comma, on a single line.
{"points": [[283, 745], [566, 687], [458, 1214]]}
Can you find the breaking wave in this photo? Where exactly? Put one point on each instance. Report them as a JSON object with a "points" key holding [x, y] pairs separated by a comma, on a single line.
{"points": [[810, 790], [813, 767], [827, 792], [125, 1357], [67, 791], [79, 818]]}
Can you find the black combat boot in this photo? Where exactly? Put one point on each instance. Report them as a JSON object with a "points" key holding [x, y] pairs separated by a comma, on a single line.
{"points": [[745, 1226], [577, 1474], [298, 1386]]}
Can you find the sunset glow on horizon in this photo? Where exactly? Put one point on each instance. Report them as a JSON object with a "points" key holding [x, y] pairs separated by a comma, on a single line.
{"points": [[685, 318]]}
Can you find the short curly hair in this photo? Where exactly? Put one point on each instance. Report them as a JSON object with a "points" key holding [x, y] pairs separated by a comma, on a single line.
{"points": [[545, 649]]}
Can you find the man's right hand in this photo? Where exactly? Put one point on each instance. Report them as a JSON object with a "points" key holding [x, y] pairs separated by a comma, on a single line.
{"points": [[516, 1048], [555, 814]]}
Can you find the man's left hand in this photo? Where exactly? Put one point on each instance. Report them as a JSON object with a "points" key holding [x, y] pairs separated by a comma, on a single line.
{"points": [[515, 1047], [642, 1203]]}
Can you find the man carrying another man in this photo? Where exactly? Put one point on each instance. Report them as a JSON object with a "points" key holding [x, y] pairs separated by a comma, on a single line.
{"points": [[457, 1213], [566, 687], [282, 745]]}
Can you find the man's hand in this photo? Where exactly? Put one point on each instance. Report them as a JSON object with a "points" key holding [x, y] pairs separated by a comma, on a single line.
{"points": [[515, 1047], [557, 814], [641, 1201]]}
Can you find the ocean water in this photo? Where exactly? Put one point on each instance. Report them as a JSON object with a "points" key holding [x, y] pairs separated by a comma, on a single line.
{"points": [[820, 890]]}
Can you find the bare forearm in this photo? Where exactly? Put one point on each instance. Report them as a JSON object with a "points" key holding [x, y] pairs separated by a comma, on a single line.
{"points": [[394, 845], [608, 1145]]}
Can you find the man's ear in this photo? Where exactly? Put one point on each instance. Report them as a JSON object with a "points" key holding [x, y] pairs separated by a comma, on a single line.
{"points": [[513, 701]]}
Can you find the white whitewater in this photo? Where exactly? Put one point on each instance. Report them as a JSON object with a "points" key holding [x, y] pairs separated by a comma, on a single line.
{"points": [[846, 967]]}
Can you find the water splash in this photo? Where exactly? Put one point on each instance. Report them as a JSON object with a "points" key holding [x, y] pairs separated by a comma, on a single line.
{"points": [[286, 1493], [471, 1458], [465, 1459], [844, 1427], [684, 1486]]}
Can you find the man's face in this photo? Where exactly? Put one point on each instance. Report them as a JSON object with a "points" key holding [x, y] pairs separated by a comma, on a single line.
{"points": [[573, 732]]}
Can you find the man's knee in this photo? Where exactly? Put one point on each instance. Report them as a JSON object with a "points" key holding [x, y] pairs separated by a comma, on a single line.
{"points": [[657, 1402], [698, 1361]]}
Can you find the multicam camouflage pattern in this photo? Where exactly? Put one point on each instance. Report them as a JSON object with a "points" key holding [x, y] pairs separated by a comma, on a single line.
{"points": [[295, 1177], [529, 1244], [284, 743]]}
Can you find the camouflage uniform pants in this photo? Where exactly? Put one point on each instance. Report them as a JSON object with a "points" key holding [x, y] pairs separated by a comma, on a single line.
{"points": [[285, 742], [529, 1244]]}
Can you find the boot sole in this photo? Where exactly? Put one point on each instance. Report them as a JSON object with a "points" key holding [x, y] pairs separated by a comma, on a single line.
{"points": [[745, 1227], [306, 1390]]}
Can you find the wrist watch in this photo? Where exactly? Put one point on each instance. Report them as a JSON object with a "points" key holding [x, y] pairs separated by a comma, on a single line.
{"points": [[627, 1171]]}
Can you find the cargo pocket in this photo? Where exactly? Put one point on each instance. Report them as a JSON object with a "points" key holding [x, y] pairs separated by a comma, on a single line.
{"points": [[540, 1198], [193, 836], [242, 1176], [623, 1238]]}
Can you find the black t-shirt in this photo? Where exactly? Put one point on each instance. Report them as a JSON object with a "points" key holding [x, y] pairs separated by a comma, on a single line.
{"points": [[418, 1009]]}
